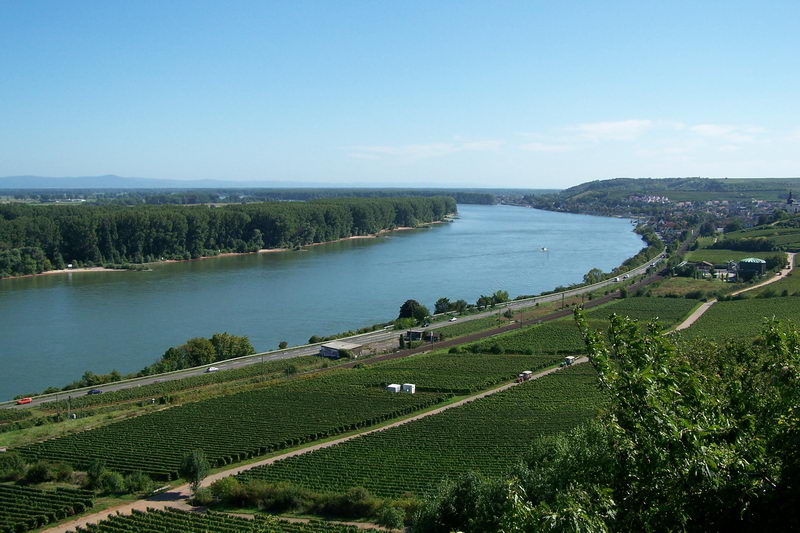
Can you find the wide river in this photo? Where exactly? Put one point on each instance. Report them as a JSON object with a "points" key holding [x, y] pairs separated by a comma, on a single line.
{"points": [[55, 327]]}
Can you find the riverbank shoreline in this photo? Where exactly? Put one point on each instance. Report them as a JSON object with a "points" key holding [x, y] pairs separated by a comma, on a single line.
{"points": [[380, 233]]}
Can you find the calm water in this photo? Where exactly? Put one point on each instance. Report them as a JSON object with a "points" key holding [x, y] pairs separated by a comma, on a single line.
{"points": [[53, 328]]}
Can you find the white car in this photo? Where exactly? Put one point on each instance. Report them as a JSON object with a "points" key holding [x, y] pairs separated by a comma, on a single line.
{"points": [[452, 319], [212, 369]]}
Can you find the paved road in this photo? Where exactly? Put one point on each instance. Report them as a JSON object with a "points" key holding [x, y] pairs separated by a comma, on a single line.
{"points": [[313, 349], [179, 496]]}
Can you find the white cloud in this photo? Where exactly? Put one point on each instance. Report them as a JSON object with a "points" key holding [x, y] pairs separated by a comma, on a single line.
{"points": [[621, 130], [732, 134]]}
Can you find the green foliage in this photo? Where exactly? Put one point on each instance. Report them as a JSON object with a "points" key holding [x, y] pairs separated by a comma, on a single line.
{"points": [[442, 305], [37, 238], [171, 519], [202, 497], [390, 516], [486, 436], [195, 467], [413, 309], [465, 327], [737, 319], [12, 466], [164, 389], [39, 472], [233, 427], [595, 275], [25, 508], [200, 351], [138, 483], [694, 439], [111, 482]]}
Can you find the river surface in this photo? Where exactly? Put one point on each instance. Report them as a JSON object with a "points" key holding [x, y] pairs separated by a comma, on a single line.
{"points": [[55, 327]]}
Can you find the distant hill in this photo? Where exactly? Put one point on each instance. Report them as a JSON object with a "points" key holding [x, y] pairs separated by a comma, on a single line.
{"points": [[686, 189]]}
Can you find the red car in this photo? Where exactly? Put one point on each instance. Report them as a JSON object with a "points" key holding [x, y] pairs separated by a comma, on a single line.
{"points": [[24, 400]]}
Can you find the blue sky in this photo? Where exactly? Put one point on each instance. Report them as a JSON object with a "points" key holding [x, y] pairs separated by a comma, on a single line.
{"points": [[494, 93]]}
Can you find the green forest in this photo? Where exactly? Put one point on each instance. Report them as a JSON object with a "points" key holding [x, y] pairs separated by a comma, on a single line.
{"points": [[34, 239]]}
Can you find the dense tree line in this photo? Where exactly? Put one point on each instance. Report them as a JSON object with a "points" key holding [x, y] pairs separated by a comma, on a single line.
{"points": [[38, 238], [238, 195]]}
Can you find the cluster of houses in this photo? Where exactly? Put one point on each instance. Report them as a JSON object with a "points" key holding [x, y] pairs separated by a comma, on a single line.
{"points": [[731, 271]]}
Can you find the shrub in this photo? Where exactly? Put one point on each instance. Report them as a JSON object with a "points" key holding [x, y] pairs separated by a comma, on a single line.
{"points": [[228, 490], [39, 472], [356, 502], [62, 472], [111, 482], [390, 517], [203, 497], [12, 467], [138, 482]]}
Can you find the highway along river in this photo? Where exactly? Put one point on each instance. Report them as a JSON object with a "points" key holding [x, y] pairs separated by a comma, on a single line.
{"points": [[53, 328]]}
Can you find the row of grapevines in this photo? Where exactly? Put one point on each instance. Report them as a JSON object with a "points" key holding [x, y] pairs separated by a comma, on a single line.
{"points": [[666, 311], [470, 326], [231, 428], [24, 508], [175, 521], [486, 436], [743, 318], [460, 373], [269, 369], [562, 336]]}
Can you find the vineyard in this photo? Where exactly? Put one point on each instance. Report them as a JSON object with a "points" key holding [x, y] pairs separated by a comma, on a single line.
{"points": [[231, 428], [743, 318], [267, 370], [24, 508], [720, 256], [562, 336], [486, 436], [462, 373], [666, 311], [557, 337], [466, 327], [175, 521]]}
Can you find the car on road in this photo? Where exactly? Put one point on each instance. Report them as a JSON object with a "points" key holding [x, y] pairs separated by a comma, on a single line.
{"points": [[23, 401], [212, 369], [616, 279], [453, 319], [94, 391]]}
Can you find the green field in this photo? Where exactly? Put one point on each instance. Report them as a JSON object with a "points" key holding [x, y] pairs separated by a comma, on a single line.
{"points": [[562, 336], [457, 329], [680, 287], [787, 286], [743, 318], [175, 521], [252, 423], [230, 428], [719, 257], [666, 311], [485, 436], [782, 234], [461, 373], [25, 508]]}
